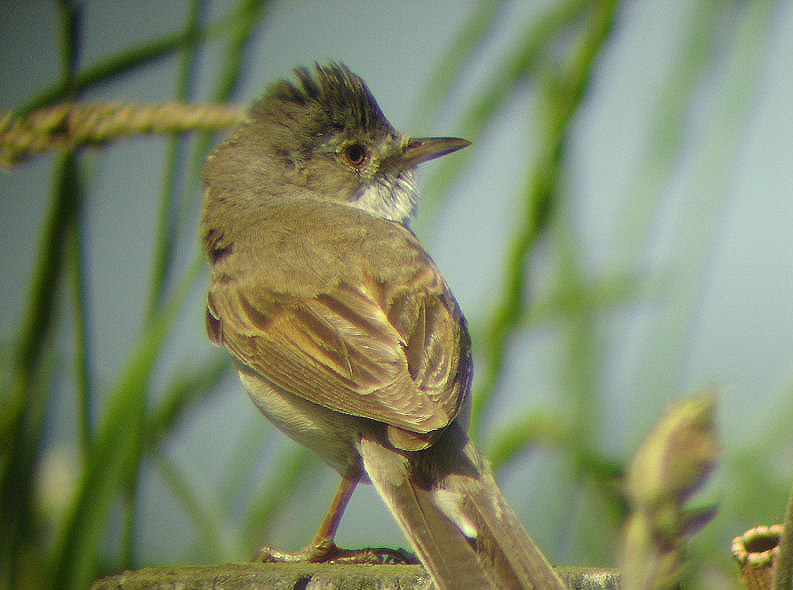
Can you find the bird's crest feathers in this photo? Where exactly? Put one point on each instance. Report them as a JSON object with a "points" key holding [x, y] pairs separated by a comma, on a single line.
{"points": [[333, 90]]}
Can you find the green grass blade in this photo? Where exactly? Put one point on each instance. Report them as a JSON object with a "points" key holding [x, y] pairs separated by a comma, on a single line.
{"points": [[115, 455], [693, 65], [562, 100], [535, 428], [203, 519], [23, 412], [451, 66], [252, 14], [78, 266], [291, 468], [130, 60], [709, 188], [166, 235], [539, 36], [183, 394]]}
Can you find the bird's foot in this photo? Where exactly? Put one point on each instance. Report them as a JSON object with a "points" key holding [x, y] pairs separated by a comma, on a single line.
{"points": [[326, 551], [317, 552], [375, 556]]}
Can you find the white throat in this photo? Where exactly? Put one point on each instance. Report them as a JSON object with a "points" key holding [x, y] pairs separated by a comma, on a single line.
{"points": [[393, 197]]}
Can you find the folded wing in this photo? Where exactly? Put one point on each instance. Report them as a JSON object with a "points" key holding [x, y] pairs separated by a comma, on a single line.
{"points": [[394, 354]]}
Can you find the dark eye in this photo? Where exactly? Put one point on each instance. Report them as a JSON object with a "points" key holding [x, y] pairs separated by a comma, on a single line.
{"points": [[355, 154]]}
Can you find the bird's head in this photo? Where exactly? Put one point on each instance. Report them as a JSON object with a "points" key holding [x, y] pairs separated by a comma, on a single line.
{"points": [[325, 135]]}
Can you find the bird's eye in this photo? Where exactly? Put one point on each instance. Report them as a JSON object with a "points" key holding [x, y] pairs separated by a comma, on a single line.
{"points": [[355, 154]]}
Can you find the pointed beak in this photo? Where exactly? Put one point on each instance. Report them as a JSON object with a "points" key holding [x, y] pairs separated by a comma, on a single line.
{"points": [[423, 149]]}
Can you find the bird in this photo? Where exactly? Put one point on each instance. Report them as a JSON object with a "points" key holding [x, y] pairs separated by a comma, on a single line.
{"points": [[342, 329]]}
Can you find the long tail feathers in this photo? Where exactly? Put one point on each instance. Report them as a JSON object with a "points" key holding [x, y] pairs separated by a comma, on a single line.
{"points": [[447, 554], [464, 531]]}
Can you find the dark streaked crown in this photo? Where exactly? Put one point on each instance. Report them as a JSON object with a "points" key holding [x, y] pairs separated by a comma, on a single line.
{"points": [[328, 99]]}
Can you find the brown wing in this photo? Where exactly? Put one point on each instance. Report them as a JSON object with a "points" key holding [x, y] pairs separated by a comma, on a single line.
{"points": [[397, 354]]}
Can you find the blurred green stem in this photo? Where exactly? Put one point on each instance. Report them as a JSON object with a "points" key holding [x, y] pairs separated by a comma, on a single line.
{"points": [[116, 452], [663, 147], [714, 158], [137, 57], [562, 99], [71, 27], [207, 527], [248, 450], [165, 238], [251, 14], [70, 30], [25, 408], [82, 337], [534, 428], [292, 467], [537, 41], [166, 235], [185, 392], [451, 66], [24, 411]]}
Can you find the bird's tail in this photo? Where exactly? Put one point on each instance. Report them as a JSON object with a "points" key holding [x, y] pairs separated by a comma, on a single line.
{"points": [[448, 504]]}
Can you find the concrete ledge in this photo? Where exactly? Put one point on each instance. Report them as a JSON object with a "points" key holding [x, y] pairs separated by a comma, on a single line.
{"points": [[312, 576]]}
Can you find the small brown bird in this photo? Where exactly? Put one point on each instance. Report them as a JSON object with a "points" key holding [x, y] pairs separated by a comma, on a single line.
{"points": [[342, 328]]}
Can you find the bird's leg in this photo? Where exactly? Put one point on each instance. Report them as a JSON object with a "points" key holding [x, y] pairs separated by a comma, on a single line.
{"points": [[323, 548], [322, 544]]}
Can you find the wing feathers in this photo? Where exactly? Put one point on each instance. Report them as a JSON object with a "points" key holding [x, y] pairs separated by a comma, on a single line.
{"points": [[358, 349]]}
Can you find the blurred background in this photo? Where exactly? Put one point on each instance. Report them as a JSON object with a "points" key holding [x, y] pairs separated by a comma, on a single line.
{"points": [[619, 235]]}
